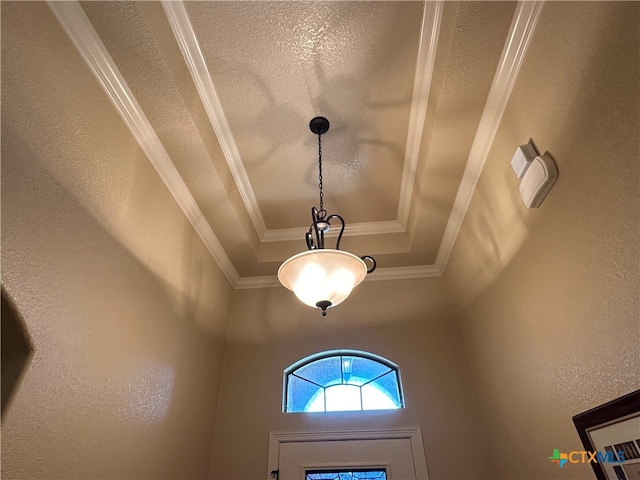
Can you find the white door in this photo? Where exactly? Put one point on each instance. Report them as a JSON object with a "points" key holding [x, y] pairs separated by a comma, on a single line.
{"points": [[397, 451]]}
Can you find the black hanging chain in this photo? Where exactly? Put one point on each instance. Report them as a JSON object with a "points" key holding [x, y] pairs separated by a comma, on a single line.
{"points": [[321, 211]]}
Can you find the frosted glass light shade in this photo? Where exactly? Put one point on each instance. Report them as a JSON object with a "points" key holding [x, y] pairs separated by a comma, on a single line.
{"points": [[322, 275]]}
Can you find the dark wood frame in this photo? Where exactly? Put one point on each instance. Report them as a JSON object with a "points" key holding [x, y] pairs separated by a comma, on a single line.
{"points": [[610, 411]]}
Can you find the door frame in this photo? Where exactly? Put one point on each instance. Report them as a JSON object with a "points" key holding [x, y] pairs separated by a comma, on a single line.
{"points": [[413, 434]]}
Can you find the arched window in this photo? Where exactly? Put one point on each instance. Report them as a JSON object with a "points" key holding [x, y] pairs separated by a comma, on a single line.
{"points": [[341, 380]]}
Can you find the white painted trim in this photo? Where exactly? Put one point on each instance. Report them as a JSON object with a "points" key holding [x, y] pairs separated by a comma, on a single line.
{"points": [[429, 33], [75, 23], [355, 229], [190, 48], [258, 282], [521, 32], [413, 434], [400, 273], [82, 34]]}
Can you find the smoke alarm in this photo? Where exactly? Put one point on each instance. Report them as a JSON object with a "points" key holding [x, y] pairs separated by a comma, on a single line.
{"points": [[537, 181]]}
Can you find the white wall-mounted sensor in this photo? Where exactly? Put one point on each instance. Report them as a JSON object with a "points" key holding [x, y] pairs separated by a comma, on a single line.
{"points": [[538, 180], [522, 158]]}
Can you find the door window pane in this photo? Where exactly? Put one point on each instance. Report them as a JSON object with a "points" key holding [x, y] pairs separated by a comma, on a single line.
{"points": [[373, 474]]}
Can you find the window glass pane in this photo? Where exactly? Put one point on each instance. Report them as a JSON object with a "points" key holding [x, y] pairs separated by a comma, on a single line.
{"points": [[342, 398], [375, 399], [325, 371], [316, 404], [389, 384], [359, 370], [343, 381], [299, 392]]}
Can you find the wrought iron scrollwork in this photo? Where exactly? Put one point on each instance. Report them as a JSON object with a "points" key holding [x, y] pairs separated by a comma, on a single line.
{"points": [[321, 224], [371, 260]]}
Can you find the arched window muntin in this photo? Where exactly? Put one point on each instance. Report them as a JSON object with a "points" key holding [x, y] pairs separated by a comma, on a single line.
{"points": [[391, 388]]}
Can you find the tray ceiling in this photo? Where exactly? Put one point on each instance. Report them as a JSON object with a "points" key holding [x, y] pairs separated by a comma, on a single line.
{"points": [[219, 96]]}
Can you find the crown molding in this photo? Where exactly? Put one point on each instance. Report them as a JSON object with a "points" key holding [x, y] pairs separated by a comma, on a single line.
{"points": [[77, 26], [429, 33], [82, 34], [521, 32], [185, 36], [401, 273], [355, 229], [266, 281]]}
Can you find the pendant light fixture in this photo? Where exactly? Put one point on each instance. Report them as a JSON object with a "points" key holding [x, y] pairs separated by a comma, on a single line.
{"points": [[323, 277]]}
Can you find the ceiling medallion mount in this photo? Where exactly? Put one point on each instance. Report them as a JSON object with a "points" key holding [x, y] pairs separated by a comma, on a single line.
{"points": [[323, 277], [319, 125]]}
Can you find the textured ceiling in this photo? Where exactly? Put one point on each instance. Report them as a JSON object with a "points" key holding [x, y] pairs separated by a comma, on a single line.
{"points": [[218, 95]]}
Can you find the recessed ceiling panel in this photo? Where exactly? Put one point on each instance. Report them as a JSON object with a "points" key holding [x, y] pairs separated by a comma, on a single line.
{"points": [[276, 65], [219, 95]]}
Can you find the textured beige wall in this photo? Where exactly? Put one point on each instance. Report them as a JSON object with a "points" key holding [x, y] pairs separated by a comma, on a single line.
{"points": [[407, 321], [128, 312], [547, 300], [126, 308]]}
